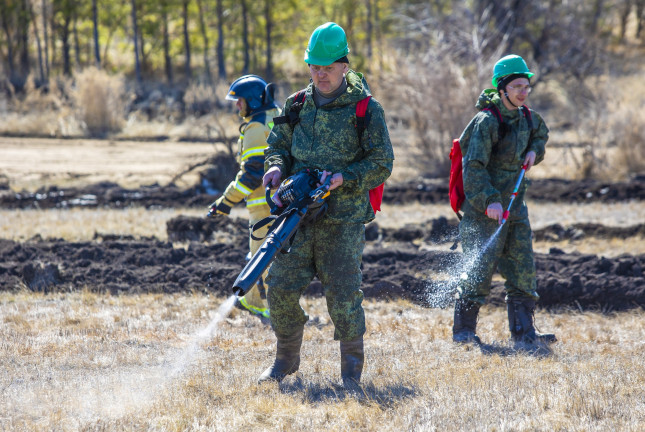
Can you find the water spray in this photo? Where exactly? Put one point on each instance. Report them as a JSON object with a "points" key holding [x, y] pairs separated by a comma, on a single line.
{"points": [[441, 294]]}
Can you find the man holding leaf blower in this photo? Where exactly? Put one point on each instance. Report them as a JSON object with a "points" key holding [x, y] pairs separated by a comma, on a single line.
{"points": [[503, 140], [321, 131]]}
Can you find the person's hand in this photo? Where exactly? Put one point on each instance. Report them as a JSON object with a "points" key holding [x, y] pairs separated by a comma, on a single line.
{"points": [[335, 181], [495, 211], [272, 177], [529, 160], [276, 199], [219, 207]]}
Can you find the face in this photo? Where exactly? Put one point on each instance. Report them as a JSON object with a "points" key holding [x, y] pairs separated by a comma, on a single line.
{"points": [[241, 106], [328, 78], [518, 91]]}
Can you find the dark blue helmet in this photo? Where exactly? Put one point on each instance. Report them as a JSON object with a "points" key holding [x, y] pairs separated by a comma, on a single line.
{"points": [[257, 93]]}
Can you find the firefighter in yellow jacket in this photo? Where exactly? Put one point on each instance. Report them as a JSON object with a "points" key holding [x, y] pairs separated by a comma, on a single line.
{"points": [[254, 100]]}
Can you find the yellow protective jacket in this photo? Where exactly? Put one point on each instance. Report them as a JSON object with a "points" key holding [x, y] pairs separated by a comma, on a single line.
{"points": [[251, 144]]}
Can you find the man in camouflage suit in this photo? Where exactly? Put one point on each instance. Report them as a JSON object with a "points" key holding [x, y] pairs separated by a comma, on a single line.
{"points": [[253, 98], [325, 138], [494, 153]]}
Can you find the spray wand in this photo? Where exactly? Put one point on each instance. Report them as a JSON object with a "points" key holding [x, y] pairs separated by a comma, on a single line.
{"points": [[514, 194]]}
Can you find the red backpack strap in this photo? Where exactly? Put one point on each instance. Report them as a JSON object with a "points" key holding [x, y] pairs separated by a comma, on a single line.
{"points": [[361, 120], [503, 127], [376, 194], [527, 114]]}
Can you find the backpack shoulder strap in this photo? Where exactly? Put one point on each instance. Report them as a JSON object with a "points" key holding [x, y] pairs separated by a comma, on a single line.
{"points": [[527, 114], [503, 127], [361, 118], [293, 116], [361, 110]]}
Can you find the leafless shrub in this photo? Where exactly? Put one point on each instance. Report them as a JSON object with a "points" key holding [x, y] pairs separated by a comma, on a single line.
{"points": [[99, 102], [438, 103], [445, 66], [613, 139], [631, 143], [201, 99]]}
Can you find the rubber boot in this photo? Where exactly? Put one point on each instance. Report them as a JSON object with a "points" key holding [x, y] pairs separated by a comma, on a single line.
{"points": [[520, 322], [287, 358], [352, 358], [465, 322]]}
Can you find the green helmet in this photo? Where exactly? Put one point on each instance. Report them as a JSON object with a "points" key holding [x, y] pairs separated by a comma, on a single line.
{"points": [[510, 65], [327, 44]]}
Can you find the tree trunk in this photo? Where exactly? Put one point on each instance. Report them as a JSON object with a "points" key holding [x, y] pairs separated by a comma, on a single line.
{"points": [[67, 70], [368, 31], [624, 15], [23, 26], [77, 45], [202, 28], [221, 64], [45, 37], [640, 17], [95, 22], [595, 16], [52, 39], [186, 41], [4, 19], [135, 38], [245, 37], [166, 41], [269, 27], [41, 66]]}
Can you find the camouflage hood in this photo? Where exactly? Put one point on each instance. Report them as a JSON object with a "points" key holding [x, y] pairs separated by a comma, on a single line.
{"points": [[490, 97], [357, 89]]}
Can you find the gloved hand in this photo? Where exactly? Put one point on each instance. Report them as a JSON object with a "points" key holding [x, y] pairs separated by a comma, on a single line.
{"points": [[221, 206]]}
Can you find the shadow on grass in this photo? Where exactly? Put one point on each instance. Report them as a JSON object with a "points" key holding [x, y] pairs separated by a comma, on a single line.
{"points": [[540, 351], [368, 393]]}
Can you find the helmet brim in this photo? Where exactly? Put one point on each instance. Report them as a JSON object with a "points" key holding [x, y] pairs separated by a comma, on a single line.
{"points": [[317, 61], [495, 80]]}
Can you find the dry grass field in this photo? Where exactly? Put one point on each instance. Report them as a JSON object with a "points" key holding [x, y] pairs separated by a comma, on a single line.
{"points": [[30, 163], [81, 361]]}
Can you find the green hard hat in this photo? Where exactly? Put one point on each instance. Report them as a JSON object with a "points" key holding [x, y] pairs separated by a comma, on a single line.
{"points": [[510, 65], [327, 44]]}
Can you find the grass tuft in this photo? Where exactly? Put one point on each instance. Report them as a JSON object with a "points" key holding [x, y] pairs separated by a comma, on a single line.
{"points": [[99, 102]]}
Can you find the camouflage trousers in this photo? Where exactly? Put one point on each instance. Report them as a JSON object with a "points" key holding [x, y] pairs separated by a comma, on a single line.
{"points": [[333, 252], [511, 253]]}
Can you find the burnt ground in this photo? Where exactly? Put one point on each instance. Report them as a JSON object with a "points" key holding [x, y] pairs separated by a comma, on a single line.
{"points": [[393, 266], [107, 194]]}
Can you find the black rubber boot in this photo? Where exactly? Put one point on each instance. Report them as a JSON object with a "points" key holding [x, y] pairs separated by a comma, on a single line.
{"points": [[352, 358], [287, 358], [520, 322], [465, 322]]}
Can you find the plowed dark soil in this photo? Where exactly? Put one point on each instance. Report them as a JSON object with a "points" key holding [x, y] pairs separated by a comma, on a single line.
{"points": [[112, 195], [393, 267]]}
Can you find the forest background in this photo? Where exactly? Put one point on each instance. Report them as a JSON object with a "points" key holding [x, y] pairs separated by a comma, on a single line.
{"points": [[160, 69]]}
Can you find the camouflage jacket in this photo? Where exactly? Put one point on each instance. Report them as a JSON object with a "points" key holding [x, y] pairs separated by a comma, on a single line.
{"points": [[325, 138], [491, 166]]}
